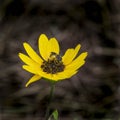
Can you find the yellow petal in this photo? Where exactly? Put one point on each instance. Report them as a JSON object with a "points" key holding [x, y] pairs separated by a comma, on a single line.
{"points": [[27, 60], [48, 76], [66, 74], [43, 46], [63, 75], [53, 46], [73, 73], [30, 69], [78, 62], [70, 54], [77, 48], [58, 76], [32, 53], [33, 79], [45, 75], [47, 46]]}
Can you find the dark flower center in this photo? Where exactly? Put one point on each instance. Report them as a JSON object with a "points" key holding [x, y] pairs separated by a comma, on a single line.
{"points": [[54, 64]]}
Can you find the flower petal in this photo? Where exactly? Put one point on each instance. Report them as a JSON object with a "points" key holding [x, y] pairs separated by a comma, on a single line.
{"points": [[30, 69], [48, 76], [78, 62], [73, 73], [67, 56], [27, 60], [66, 74], [32, 53], [70, 54], [77, 48], [53, 46], [33, 79], [43, 46], [59, 76]]}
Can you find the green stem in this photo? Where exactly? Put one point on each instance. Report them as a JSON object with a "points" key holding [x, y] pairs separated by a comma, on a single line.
{"points": [[50, 99]]}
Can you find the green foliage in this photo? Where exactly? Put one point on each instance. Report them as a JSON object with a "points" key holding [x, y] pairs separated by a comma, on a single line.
{"points": [[54, 115]]}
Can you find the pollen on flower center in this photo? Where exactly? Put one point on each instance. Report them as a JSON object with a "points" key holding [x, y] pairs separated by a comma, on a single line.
{"points": [[53, 65]]}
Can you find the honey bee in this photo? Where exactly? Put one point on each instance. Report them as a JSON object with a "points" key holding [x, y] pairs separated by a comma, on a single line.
{"points": [[55, 57]]}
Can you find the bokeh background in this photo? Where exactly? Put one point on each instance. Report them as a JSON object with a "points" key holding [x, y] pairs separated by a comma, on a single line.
{"points": [[94, 93]]}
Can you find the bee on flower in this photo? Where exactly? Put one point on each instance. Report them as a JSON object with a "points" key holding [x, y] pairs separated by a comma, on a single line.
{"points": [[50, 64]]}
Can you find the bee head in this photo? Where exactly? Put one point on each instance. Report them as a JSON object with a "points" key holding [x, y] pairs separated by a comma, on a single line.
{"points": [[54, 56]]}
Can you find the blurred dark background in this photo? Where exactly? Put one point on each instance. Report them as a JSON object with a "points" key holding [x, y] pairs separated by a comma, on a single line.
{"points": [[94, 93]]}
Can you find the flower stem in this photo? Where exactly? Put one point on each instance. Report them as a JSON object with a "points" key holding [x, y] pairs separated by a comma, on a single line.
{"points": [[50, 99]]}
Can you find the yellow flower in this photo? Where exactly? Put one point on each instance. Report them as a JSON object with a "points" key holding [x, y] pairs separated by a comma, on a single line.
{"points": [[49, 64]]}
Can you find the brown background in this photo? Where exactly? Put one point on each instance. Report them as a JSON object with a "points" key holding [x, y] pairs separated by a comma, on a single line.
{"points": [[94, 93]]}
